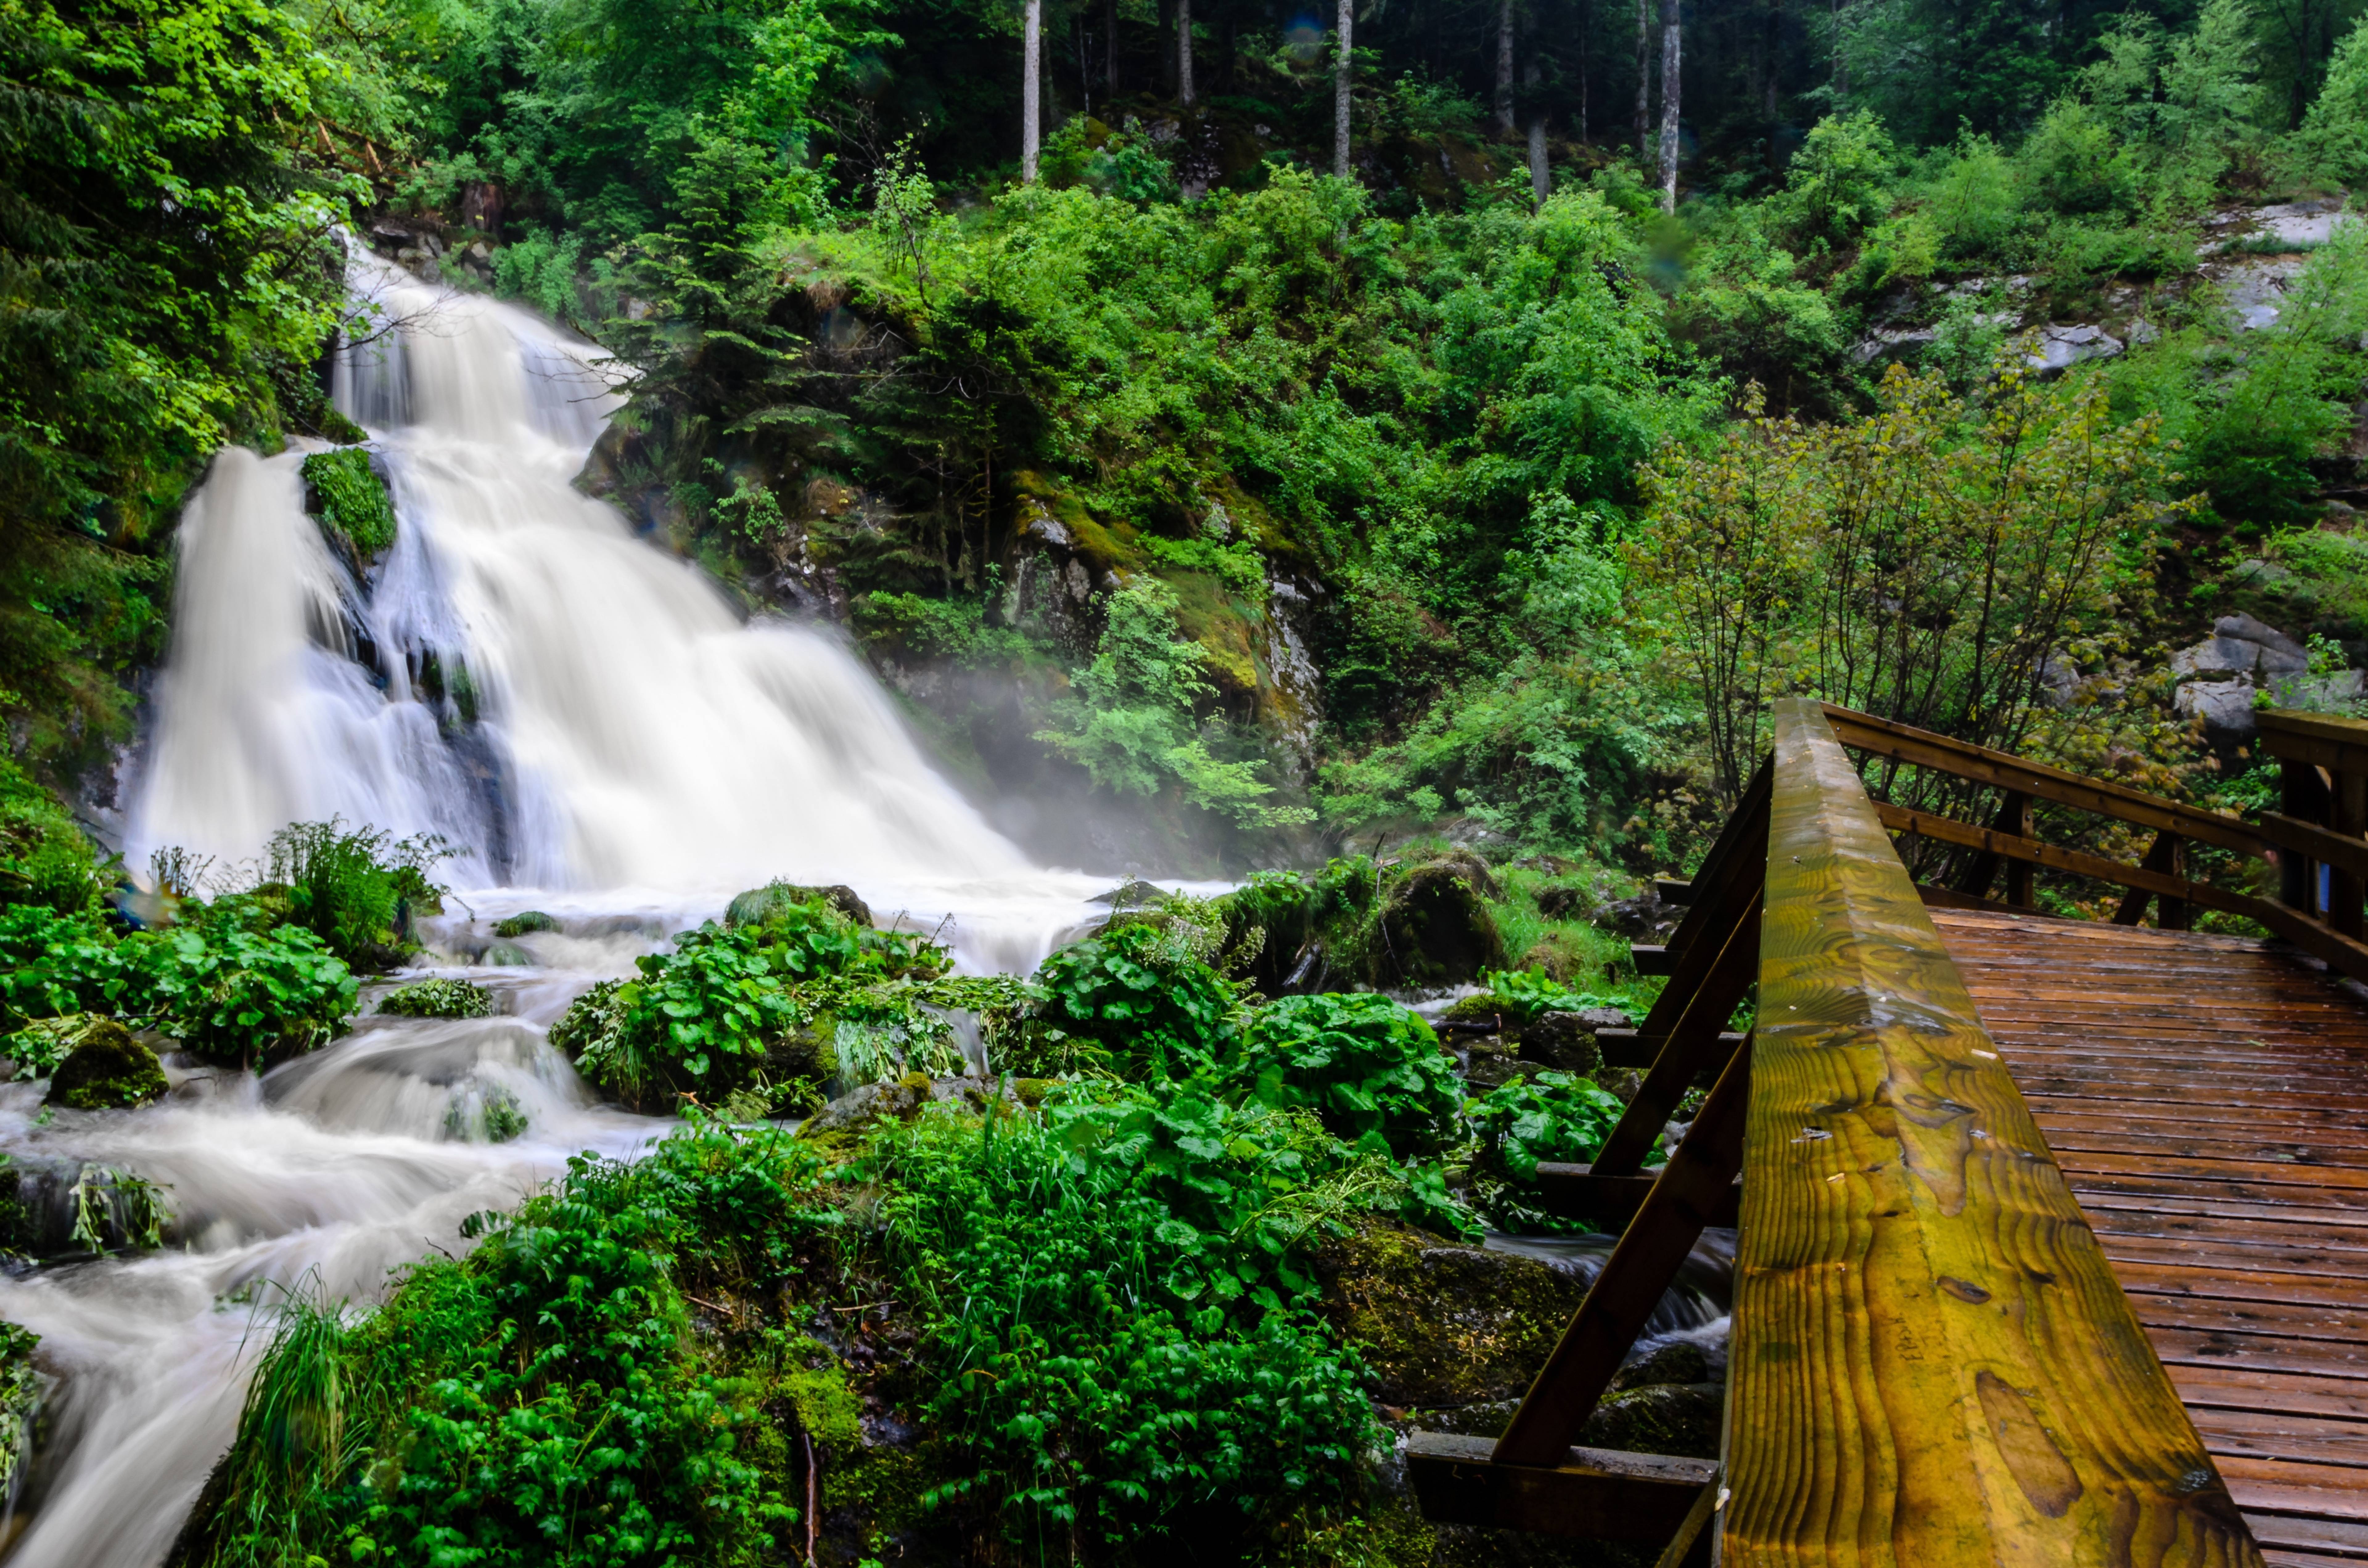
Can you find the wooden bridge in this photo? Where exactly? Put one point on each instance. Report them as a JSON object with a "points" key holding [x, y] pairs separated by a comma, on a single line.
{"points": [[2053, 1233]]}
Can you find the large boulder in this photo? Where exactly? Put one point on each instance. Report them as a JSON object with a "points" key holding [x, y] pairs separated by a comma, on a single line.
{"points": [[750, 908], [1442, 1325], [1436, 927], [106, 1070]]}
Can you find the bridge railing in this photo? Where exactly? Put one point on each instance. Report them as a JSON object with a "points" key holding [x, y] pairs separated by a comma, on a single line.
{"points": [[1930, 1361]]}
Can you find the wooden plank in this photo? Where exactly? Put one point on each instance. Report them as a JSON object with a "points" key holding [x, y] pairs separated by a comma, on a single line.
{"points": [[2257, 1352], [1652, 961], [1931, 1363], [2308, 1439], [1690, 1191], [1593, 1493], [2339, 1542], [1626, 1048], [2225, 1281], [2285, 1486], [2342, 1331], [1904, 743], [1577, 1192], [2207, 1387], [2339, 850]]}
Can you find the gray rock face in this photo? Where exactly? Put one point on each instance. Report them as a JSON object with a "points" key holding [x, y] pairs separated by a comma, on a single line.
{"points": [[2061, 347], [2224, 706], [2224, 676]]}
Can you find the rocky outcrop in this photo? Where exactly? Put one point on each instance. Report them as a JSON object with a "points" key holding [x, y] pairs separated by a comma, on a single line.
{"points": [[2223, 677], [107, 1070]]}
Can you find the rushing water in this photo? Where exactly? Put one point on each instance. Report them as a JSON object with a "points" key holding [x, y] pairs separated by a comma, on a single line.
{"points": [[597, 733]]}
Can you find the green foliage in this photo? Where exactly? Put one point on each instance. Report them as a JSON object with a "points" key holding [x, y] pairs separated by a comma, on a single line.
{"points": [[45, 857], [1520, 1123], [534, 1401], [938, 628], [1840, 181], [438, 999], [1133, 1000], [2332, 142], [1370, 1069], [241, 997], [356, 889], [169, 274], [526, 923], [1525, 994], [1136, 722], [353, 505], [1089, 1279]]}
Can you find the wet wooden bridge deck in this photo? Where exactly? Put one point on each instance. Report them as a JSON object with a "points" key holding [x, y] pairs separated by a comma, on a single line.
{"points": [[2206, 1098]]}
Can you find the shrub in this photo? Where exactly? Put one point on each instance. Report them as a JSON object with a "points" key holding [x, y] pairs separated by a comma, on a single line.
{"points": [[353, 505], [1133, 1000], [1095, 1353], [536, 1401], [1840, 180], [1369, 1067], [45, 859], [438, 999], [241, 997], [356, 889]]}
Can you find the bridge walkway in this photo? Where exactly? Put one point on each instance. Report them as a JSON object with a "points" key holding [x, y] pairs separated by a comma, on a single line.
{"points": [[2206, 1098]]}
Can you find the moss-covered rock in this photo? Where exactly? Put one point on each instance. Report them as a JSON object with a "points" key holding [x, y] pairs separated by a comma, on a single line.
{"points": [[1564, 1041], [750, 908], [342, 490], [107, 1070], [526, 923], [1443, 1325], [1436, 926], [438, 999]]}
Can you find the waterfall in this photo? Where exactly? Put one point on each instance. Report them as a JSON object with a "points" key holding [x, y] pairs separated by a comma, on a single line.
{"points": [[589, 723], [577, 710]]}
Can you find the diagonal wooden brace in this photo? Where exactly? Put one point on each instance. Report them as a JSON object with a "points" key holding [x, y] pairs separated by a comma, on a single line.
{"points": [[1690, 1191]]}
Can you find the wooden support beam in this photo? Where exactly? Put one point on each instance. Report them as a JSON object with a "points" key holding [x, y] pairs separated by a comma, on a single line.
{"points": [[1694, 1043], [1593, 1493], [1690, 1190], [1931, 1363], [1674, 890], [1577, 1192], [2014, 817], [2162, 854], [1651, 959], [1628, 1047]]}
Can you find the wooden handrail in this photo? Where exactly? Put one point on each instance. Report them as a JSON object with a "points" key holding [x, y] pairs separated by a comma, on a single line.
{"points": [[1931, 1363], [1962, 759]]}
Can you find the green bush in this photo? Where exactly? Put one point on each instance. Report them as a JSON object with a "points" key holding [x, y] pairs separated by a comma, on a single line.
{"points": [[536, 1401], [45, 857], [240, 997], [1523, 994], [1110, 1347], [438, 999], [53, 964], [353, 501], [356, 889], [1133, 1000], [1369, 1067]]}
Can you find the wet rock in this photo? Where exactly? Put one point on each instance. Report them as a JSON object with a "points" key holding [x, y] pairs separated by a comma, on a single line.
{"points": [[1564, 1042], [1441, 1324], [1661, 1418], [901, 1100], [1436, 927], [1680, 1361], [1489, 1063], [107, 1069], [1134, 894], [524, 923], [1639, 919], [1566, 901], [752, 908]]}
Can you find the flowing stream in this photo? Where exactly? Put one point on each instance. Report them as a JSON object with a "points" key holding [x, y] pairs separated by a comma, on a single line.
{"points": [[597, 733]]}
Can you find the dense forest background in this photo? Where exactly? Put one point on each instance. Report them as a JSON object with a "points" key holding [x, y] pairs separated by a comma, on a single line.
{"points": [[1242, 509]]}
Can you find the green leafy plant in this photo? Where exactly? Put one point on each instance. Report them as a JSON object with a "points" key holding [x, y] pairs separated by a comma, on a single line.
{"points": [[438, 999], [1135, 1000], [1524, 993], [354, 505], [1369, 1067], [356, 889], [243, 997]]}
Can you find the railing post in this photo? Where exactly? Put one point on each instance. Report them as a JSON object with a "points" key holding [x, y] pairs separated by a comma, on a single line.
{"points": [[2014, 817], [2302, 794], [2347, 814]]}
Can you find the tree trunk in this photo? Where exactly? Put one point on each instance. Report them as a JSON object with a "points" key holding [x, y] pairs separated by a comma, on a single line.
{"points": [[1505, 67], [1586, 11], [1183, 50], [1078, 38], [1643, 83], [1031, 91], [1841, 66], [1541, 181], [1772, 46], [1343, 76], [1668, 104], [1110, 48]]}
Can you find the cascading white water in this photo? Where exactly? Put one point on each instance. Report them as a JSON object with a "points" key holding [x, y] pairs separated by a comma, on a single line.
{"points": [[578, 712], [585, 719]]}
